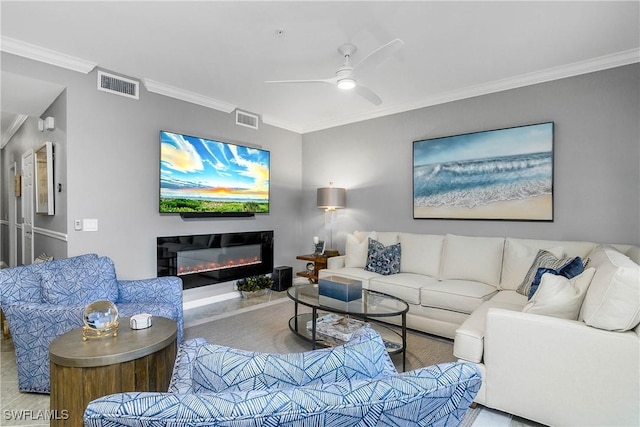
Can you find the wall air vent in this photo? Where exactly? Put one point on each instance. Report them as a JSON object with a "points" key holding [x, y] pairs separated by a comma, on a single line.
{"points": [[246, 119], [118, 85]]}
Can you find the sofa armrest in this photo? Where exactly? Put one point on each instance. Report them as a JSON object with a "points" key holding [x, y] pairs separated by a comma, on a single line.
{"points": [[159, 290], [561, 372], [33, 327], [182, 376], [20, 284], [336, 262]]}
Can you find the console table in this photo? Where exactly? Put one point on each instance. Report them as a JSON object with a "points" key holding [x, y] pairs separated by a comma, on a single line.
{"points": [[134, 360]]}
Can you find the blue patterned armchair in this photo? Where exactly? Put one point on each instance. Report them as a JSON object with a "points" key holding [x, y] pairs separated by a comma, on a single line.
{"points": [[45, 300], [353, 384]]}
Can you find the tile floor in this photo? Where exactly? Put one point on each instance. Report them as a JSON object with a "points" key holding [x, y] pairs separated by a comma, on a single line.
{"points": [[30, 409]]}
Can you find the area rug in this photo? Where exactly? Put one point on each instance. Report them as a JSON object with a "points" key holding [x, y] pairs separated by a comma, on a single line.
{"points": [[265, 327]]}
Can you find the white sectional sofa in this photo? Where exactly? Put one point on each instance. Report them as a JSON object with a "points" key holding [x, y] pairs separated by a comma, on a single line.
{"points": [[536, 362]]}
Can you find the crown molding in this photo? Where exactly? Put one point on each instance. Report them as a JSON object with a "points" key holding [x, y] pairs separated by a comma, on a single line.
{"points": [[48, 56], [12, 129], [600, 63], [187, 96], [274, 121]]}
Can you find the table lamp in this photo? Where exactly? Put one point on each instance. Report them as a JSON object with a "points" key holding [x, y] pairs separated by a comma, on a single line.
{"points": [[330, 198]]}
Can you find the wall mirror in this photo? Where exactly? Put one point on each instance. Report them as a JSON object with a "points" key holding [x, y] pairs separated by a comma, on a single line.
{"points": [[44, 179]]}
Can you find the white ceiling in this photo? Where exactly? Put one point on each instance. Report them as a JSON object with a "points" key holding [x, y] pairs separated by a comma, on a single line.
{"points": [[224, 51]]}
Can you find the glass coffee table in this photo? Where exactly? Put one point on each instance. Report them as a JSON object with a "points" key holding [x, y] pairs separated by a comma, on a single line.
{"points": [[373, 305]]}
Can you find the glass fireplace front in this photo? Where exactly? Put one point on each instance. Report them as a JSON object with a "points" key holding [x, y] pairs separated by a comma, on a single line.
{"points": [[206, 259]]}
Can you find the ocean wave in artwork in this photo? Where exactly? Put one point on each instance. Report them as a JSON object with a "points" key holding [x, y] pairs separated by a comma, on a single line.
{"points": [[480, 182]]}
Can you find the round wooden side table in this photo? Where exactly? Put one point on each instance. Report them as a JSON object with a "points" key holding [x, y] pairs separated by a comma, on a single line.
{"points": [[134, 360]]}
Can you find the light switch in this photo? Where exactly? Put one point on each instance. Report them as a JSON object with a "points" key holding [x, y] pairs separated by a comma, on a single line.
{"points": [[90, 224]]}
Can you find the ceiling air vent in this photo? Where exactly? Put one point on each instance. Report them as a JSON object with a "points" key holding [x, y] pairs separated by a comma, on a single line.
{"points": [[118, 85], [246, 119]]}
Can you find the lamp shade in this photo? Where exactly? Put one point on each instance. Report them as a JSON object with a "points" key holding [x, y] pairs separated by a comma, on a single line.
{"points": [[332, 198]]}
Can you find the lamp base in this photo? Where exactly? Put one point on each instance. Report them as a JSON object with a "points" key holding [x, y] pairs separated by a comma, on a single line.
{"points": [[331, 252]]}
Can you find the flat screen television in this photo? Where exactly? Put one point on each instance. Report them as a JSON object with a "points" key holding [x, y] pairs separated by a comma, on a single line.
{"points": [[205, 177]]}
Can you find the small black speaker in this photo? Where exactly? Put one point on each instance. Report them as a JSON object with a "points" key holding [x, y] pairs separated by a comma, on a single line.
{"points": [[282, 278]]}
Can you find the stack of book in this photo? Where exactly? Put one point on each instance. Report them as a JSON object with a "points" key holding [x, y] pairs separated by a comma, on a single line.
{"points": [[336, 326]]}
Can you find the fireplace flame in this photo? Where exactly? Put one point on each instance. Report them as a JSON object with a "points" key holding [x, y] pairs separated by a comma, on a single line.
{"points": [[213, 266]]}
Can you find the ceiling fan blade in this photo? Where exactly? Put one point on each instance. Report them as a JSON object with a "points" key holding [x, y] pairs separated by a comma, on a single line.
{"points": [[368, 94], [379, 55], [332, 80]]}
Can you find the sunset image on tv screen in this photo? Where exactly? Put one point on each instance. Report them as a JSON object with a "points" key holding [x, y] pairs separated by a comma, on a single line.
{"points": [[202, 175]]}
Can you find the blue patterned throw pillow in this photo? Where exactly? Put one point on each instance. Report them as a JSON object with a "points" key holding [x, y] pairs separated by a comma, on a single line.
{"points": [[383, 259], [570, 269]]}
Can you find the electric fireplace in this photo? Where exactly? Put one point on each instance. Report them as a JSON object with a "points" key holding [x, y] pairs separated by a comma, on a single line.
{"points": [[207, 259]]}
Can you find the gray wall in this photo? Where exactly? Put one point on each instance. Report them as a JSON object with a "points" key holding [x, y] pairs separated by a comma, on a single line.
{"points": [[112, 158], [596, 158]]}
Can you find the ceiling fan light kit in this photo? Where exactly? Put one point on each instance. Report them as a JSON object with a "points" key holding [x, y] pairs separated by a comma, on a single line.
{"points": [[345, 77], [346, 84]]}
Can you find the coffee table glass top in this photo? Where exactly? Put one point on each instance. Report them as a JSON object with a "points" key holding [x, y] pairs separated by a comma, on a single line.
{"points": [[374, 304]]}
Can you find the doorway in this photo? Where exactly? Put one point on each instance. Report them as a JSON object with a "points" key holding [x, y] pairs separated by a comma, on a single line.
{"points": [[27, 207]]}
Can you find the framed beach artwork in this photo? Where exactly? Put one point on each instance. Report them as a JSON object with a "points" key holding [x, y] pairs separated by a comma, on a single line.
{"points": [[503, 174]]}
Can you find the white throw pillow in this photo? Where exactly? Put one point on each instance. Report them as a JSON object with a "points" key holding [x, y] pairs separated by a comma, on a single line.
{"points": [[356, 250], [518, 257], [472, 258], [613, 299], [560, 297]]}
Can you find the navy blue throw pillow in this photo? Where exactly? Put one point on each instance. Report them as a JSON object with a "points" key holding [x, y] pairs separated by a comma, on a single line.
{"points": [[571, 269], [383, 259]]}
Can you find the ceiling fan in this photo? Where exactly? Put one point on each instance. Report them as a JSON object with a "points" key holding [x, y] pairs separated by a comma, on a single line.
{"points": [[345, 77]]}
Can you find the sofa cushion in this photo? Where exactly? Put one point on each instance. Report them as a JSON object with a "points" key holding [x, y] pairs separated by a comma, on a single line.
{"points": [[472, 258], [510, 297], [421, 253], [383, 259], [356, 250], [613, 299], [559, 296], [469, 339], [519, 254], [405, 286], [79, 280], [463, 296]]}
